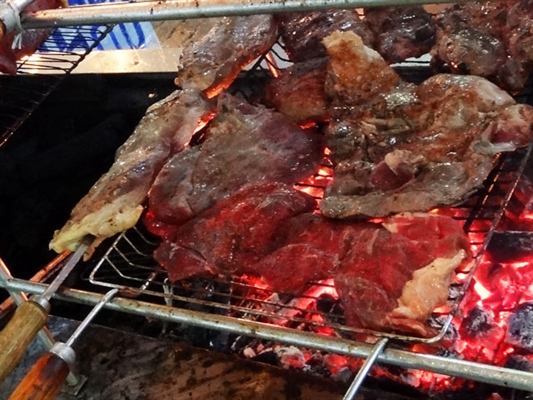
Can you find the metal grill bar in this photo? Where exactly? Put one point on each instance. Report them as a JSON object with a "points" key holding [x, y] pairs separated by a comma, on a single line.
{"points": [[463, 369], [169, 10]]}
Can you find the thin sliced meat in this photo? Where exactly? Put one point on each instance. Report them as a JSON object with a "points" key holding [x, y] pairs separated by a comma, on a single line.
{"points": [[114, 203], [244, 145]]}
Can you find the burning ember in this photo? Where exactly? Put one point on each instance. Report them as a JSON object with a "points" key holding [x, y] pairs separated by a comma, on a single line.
{"points": [[494, 324]]}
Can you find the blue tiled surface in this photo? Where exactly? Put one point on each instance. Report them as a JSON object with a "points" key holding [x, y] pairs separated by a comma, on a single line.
{"points": [[135, 35]]}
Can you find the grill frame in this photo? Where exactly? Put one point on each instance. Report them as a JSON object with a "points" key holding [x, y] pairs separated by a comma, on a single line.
{"points": [[392, 356]]}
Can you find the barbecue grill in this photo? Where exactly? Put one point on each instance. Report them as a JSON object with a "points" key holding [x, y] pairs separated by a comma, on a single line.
{"points": [[242, 305]]}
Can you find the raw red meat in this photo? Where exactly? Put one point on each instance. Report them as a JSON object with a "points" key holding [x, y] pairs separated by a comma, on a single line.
{"points": [[389, 275], [373, 278], [245, 145], [371, 264]]}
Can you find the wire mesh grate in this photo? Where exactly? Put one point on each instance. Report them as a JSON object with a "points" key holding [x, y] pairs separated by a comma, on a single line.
{"points": [[127, 264], [39, 74]]}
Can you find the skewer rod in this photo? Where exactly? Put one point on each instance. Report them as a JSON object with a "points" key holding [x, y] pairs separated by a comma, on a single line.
{"points": [[365, 369], [98, 14], [447, 366]]}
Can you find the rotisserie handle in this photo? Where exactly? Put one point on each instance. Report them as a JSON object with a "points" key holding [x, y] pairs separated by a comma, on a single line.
{"points": [[15, 338], [45, 379]]}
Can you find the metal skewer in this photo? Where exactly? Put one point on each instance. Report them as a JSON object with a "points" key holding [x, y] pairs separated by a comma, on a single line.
{"points": [[46, 377], [31, 316], [97, 14], [365, 369]]}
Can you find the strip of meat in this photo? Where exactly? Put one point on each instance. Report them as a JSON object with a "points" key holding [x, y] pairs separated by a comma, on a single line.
{"points": [[401, 32], [114, 203], [220, 48], [30, 39], [244, 145], [398, 147], [298, 92], [302, 33], [232, 235]]}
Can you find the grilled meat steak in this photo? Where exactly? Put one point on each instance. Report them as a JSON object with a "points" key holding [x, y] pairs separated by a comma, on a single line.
{"points": [[220, 48], [389, 276], [398, 147], [232, 235], [489, 39], [417, 255], [401, 32], [244, 145], [114, 203], [302, 33], [298, 92]]}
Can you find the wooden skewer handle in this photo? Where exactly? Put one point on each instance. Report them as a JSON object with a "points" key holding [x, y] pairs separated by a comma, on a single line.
{"points": [[15, 338], [44, 381]]}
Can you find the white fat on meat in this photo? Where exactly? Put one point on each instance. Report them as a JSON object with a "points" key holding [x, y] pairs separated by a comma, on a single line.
{"points": [[428, 289]]}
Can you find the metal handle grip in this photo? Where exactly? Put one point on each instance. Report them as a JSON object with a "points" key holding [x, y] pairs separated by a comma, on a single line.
{"points": [[44, 381], [15, 338]]}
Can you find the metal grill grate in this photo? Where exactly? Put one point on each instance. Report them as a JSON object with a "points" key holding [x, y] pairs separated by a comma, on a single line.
{"points": [[127, 264], [41, 73]]}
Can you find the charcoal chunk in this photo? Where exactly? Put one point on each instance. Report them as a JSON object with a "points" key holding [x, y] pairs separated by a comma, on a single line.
{"points": [[520, 327], [477, 323]]}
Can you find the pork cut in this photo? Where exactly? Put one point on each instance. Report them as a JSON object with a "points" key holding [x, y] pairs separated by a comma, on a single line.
{"points": [[398, 147], [489, 39], [401, 32], [302, 33], [115, 202], [390, 275], [244, 145], [232, 235], [298, 93], [217, 49]]}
